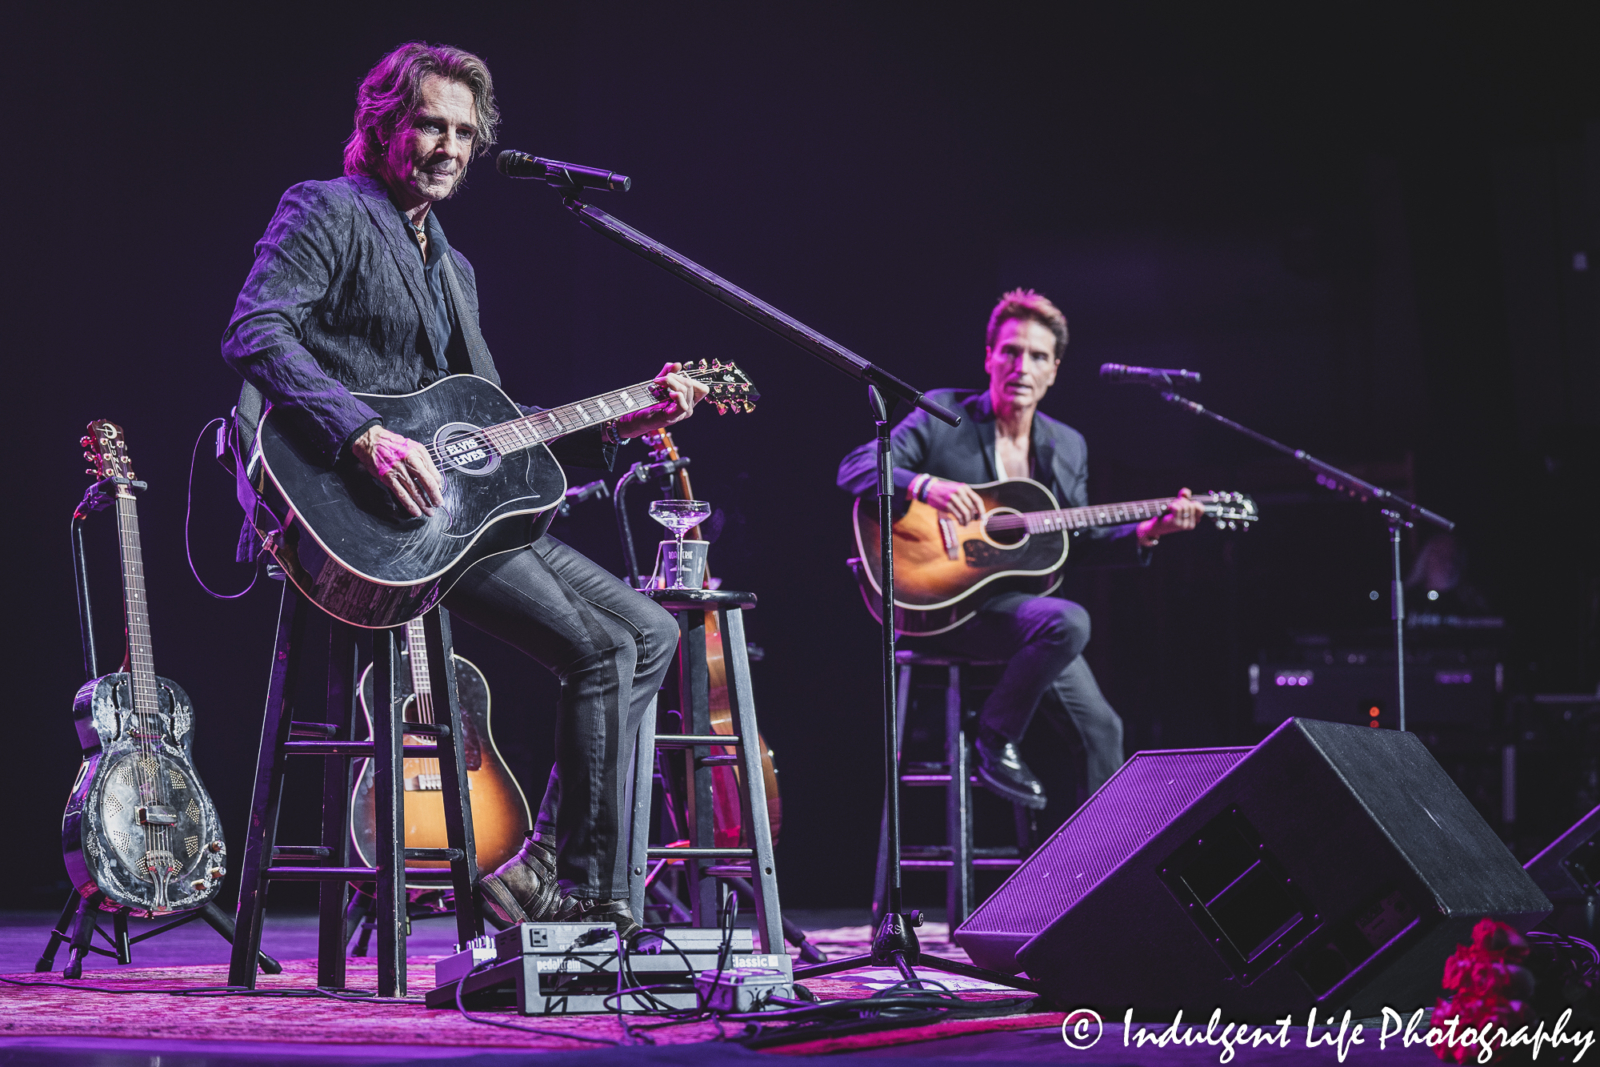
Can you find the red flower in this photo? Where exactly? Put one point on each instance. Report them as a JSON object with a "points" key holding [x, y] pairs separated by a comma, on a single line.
{"points": [[1483, 976]]}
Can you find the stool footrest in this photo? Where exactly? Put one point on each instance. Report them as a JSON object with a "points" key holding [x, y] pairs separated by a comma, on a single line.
{"points": [[313, 729], [694, 740], [915, 865], [301, 851], [700, 853], [718, 761], [352, 749], [349, 874], [442, 855], [727, 871]]}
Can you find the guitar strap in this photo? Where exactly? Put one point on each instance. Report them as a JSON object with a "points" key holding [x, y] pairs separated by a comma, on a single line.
{"points": [[477, 351]]}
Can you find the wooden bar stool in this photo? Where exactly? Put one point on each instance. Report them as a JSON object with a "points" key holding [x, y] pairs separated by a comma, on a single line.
{"points": [[958, 856], [328, 863], [702, 749]]}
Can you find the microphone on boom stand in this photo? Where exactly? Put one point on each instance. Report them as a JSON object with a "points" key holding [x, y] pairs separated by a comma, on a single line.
{"points": [[514, 164], [1117, 372]]}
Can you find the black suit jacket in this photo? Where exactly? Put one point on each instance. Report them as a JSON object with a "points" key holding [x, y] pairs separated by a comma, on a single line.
{"points": [[965, 453], [337, 301]]}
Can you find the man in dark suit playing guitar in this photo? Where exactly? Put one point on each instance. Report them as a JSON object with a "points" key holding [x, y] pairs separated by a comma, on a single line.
{"points": [[355, 288], [1041, 638]]}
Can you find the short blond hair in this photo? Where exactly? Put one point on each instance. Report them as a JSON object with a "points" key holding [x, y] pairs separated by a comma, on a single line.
{"points": [[1027, 304]]}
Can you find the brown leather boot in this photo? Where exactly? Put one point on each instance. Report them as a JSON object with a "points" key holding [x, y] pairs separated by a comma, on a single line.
{"points": [[609, 911], [524, 889]]}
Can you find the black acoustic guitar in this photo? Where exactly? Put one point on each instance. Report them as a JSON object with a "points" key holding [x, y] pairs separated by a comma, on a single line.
{"points": [[346, 544], [499, 810], [943, 570], [139, 826]]}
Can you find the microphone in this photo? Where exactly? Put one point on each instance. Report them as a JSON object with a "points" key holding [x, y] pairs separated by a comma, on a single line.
{"points": [[514, 164], [1116, 372]]}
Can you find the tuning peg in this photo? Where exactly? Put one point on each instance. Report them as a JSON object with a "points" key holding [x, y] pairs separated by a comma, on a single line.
{"points": [[704, 365], [722, 409], [91, 470], [84, 441], [748, 407]]}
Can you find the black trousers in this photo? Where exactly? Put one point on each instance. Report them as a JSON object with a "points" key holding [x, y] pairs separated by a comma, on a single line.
{"points": [[610, 647], [1042, 639]]}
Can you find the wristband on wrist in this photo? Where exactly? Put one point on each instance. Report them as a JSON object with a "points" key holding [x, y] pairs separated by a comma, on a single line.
{"points": [[922, 494], [918, 484]]}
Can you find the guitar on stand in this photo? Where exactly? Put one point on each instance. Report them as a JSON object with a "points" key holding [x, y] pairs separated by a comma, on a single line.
{"points": [[140, 835], [943, 570]]}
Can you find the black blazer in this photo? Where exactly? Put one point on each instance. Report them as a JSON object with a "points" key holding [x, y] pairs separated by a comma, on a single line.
{"points": [[337, 301], [965, 453]]}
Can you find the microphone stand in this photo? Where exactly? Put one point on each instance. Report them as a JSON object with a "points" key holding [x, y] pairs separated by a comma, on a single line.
{"points": [[895, 942], [1397, 511]]}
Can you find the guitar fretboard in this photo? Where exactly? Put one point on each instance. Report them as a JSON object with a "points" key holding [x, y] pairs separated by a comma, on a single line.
{"points": [[141, 663], [542, 426], [1085, 517], [421, 679]]}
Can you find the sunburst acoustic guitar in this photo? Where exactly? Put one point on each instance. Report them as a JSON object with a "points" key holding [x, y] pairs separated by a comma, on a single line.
{"points": [[943, 570], [499, 808]]}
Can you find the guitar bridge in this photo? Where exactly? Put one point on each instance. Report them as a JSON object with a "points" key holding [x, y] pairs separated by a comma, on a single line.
{"points": [[952, 544], [157, 815]]}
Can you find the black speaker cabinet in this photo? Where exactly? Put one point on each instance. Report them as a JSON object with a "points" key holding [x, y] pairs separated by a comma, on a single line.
{"points": [[1331, 865], [1569, 873]]}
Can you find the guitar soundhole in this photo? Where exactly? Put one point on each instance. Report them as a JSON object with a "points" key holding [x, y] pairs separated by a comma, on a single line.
{"points": [[462, 447], [1005, 527]]}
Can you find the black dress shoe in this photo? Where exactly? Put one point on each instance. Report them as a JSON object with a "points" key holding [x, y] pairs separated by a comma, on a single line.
{"points": [[523, 889], [1002, 770]]}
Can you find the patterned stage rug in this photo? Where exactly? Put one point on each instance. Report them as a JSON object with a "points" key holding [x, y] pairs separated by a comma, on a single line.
{"points": [[138, 1010]]}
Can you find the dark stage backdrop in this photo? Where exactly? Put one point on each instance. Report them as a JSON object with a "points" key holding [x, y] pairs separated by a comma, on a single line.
{"points": [[1362, 226]]}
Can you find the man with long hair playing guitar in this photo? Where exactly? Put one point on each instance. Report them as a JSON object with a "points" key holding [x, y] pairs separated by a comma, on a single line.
{"points": [[355, 288], [1003, 434]]}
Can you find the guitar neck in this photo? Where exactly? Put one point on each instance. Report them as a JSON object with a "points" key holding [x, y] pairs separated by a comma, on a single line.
{"points": [[421, 681], [136, 604], [547, 425], [1096, 515]]}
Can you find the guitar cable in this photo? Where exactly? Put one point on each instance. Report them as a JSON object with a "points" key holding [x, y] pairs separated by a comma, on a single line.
{"points": [[188, 511]]}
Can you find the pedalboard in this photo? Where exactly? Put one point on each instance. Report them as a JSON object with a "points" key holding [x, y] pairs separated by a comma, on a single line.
{"points": [[571, 968]]}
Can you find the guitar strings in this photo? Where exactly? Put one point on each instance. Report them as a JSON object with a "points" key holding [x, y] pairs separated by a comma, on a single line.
{"points": [[1034, 521], [507, 437]]}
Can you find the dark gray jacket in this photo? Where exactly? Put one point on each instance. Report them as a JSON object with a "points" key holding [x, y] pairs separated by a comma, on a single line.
{"points": [[337, 301], [965, 453]]}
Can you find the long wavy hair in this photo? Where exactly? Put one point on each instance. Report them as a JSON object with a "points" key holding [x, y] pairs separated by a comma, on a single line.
{"points": [[392, 91]]}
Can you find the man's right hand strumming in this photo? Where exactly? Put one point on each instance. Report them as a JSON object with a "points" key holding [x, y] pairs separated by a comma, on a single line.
{"points": [[955, 499], [403, 466]]}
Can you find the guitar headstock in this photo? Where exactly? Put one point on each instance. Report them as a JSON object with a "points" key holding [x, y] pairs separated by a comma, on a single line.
{"points": [[731, 388], [106, 449], [1231, 511]]}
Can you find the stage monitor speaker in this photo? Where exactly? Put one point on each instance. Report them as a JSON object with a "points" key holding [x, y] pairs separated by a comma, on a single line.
{"points": [[1569, 873], [1331, 865]]}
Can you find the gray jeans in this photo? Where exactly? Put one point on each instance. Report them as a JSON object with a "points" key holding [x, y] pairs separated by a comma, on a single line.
{"points": [[610, 647], [1042, 641]]}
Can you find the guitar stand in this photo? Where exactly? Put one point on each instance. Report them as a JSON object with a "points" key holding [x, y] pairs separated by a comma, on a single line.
{"points": [[83, 912], [83, 915]]}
